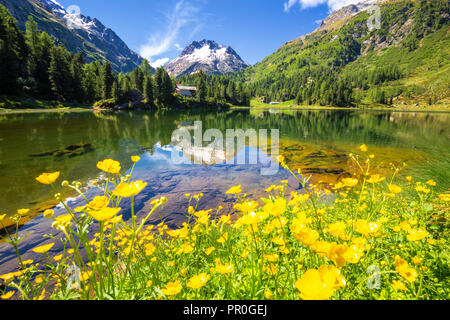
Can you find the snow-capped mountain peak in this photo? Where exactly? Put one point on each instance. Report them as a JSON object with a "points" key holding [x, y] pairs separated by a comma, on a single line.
{"points": [[207, 55]]}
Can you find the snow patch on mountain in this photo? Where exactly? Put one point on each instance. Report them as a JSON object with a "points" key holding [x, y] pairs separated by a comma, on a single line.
{"points": [[207, 55]]}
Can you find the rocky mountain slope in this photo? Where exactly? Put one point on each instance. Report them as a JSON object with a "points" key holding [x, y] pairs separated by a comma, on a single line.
{"points": [[76, 31], [412, 41], [207, 55]]}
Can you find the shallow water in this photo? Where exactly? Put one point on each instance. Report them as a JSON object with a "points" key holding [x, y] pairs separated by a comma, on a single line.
{"points": [[318, 142]]}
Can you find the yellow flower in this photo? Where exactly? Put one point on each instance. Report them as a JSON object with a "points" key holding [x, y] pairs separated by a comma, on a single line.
{"points": [[104, 214], [225, 219], [270, 257], [307, 236], [127, 190], [234, 190], [172, 288], [247, 206], [366, 228], [209, 250], [376, 178], [268, 294], [135, 158], [276, 208], [394, 189], [223, 238], [350, 182], [49, 213], [431, 183], [148, 284], [22, 212], [399, 285], [198, 281], [186, 248], [280, 159], [417, 234], [319, 284], [417, 260], [109, 165], [363, 148], [2, 216], [444, 197], [44, 248], [57, 258], [98, 203], [48, 178], [337, 229], [7, 295], [27, 262], [404, 270], [224, 268], [337, 254]]}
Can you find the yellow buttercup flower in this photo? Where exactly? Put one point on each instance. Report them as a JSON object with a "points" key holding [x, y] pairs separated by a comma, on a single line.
{"points": [[234, 190], [48, 178], [350, 182], [127, 190], [135, 158], [417, 234], [376, 178], [319, 284], [431, 183], [399, 285], [172, 288], [417, 260], [276, 208], [198, 281], [209, 250], [98, 203], [444, 197], [271, 257], [110, 166], [2, 216], [404, 270], [394, 189], [7, 295], [22, 212], [48, 213], [104, 214], [57, 258], [223, 238], [44, 248], [307, 236], [363, 148], [27, 262], [224, 268]]}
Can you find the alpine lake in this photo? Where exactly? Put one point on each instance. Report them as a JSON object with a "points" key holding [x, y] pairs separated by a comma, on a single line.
{"points": [[316, 141]]}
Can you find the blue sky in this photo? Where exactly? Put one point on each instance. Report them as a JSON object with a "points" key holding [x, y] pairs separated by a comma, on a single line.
{"points": [[160, 29]]}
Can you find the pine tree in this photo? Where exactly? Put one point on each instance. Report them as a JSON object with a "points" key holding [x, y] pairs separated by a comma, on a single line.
{"points": [[107, 78], [148, 90]]}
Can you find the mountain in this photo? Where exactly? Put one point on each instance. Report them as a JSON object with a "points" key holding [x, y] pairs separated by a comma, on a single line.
{"points": [[76, 31], [405, 60], [207, 55]]}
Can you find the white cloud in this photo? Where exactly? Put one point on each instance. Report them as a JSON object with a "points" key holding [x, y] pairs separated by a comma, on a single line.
{"points": [[332, 4], [185, 14], [159, 62]]}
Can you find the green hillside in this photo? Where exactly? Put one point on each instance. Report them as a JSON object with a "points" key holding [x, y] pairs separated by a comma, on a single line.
{"points": [[344, 63]]}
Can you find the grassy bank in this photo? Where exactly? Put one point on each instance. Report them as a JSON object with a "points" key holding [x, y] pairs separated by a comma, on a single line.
{"points": [[291, 105], [14, 105], [366, 237]]}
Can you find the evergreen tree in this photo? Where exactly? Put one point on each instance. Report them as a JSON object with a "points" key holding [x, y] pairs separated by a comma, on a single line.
{"points": [[148, 90], [107, 78]]}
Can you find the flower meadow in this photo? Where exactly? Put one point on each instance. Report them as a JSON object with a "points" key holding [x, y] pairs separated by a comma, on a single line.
{"points": [[369, 236]]}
